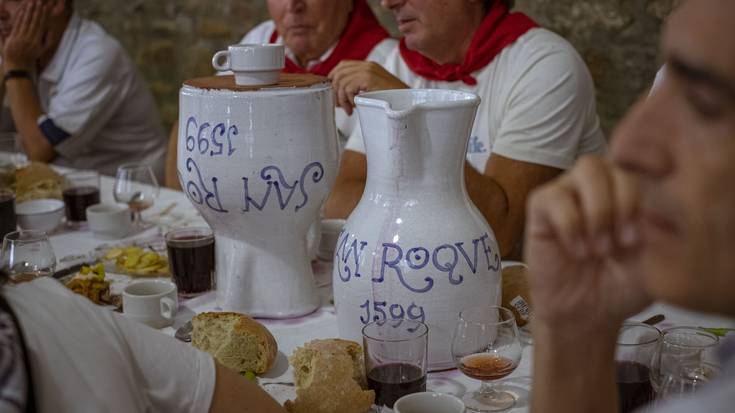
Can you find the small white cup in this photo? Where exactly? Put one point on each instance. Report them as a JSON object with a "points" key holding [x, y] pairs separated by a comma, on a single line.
{"points": [[253, 64], [429, 402], [151, 302], [109, 220], [331, 229]]}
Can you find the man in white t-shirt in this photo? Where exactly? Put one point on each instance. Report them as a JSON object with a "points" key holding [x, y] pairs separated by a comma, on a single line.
{"points": [[538, 103], [317, 34], [655, 221], [77, 357], [76, 99]]}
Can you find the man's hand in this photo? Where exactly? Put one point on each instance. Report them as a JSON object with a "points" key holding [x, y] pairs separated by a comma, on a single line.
{"points": [[581, 240], [25, 44], [351, 77]]}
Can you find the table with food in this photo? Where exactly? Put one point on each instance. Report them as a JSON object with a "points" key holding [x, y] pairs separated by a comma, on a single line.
{"points": [[405, 301]]}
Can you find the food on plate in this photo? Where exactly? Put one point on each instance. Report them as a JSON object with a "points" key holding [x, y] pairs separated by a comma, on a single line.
{"points": [[330, 378], [37, 181], [90, 282], [517, 293], [138, 261], [235, 340]]}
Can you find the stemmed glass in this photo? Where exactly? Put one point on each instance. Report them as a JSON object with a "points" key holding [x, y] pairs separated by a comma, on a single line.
{"points": [[27, 255], [136, 185], [486, 347]]}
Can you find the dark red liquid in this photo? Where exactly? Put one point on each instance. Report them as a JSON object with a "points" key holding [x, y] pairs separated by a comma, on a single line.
{"points": [[192, 263], [77, 200], [634, 385], [393, 381], [7, 215]]}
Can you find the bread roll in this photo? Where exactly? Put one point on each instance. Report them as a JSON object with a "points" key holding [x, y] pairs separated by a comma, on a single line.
{"points": [[330, 378], [235, 340]]}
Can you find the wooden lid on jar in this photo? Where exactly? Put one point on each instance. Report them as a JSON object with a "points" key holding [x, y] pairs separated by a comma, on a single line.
{"points": [[286, 80]]}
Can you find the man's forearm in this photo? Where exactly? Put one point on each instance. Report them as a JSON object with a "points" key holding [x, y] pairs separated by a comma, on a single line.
{"points": [[343, 199], [26, 110], [573, 373]]}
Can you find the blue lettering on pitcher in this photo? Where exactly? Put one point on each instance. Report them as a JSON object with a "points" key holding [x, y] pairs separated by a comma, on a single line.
{"points": [[198, 193], [445, 259], [355, 250], [202, 143], [276, 181]]}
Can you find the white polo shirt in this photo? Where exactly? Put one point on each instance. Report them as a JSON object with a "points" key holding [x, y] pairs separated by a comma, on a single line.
{"points": [[88, 359], [263, 32], [99, 112], [538, 103]]}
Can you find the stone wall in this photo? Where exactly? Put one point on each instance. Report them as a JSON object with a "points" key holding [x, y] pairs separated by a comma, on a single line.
{"points": [[172, 40]]}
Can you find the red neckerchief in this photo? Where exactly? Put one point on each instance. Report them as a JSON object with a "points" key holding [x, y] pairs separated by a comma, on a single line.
{"points": [[499, 29], [362, 33]]}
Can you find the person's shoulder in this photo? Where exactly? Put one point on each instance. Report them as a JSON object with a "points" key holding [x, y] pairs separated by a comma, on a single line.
{"points": [[539, 44], [261, 33], [96, 48]]}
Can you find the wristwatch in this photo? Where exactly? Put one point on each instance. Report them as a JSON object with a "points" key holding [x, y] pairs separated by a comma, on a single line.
{"points": [[16, 73]]}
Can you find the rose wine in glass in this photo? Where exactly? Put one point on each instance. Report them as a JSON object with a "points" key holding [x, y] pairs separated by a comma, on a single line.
{"points": [[486, 347], [136, 185]]}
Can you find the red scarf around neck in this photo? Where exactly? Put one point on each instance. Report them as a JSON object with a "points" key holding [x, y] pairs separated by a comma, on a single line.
{"points": [[499, 29], [362, 33]]}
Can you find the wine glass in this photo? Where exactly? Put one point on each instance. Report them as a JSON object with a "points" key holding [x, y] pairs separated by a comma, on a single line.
{"points": [[136, 185], [27, 255], [486, 347], [681, 346], [636, 345]]}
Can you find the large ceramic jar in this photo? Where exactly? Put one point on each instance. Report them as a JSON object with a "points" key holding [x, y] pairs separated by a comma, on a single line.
{"points": [[258, 162], [415, 246]]}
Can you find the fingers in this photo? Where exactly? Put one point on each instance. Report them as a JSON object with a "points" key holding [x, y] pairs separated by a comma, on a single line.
{"points": [[553, 213], [18, 26], [34, 24], [25, 23], [589, 210], [591, 178]]}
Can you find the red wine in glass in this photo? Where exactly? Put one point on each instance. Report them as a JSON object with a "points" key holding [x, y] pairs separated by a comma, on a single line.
{"points": [[634, 385], [77, 199], [7, 213], [395, 380], [191, 258]]}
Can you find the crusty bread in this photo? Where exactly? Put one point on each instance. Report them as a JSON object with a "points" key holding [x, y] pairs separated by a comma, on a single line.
{"points": [[235, 340], [330, 378]]}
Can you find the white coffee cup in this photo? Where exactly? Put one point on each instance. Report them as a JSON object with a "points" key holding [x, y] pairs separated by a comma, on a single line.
{"points": [[331, 228], [151, 302], [109, 220], [428, 402], [253, 64]]}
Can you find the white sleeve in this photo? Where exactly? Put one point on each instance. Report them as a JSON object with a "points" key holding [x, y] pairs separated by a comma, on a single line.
{"points": [[176, 376], [550, 115], [87, 358]]}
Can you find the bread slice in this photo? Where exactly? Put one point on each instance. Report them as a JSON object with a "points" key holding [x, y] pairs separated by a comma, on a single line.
{"points": [[330, 378], [235, 340]]}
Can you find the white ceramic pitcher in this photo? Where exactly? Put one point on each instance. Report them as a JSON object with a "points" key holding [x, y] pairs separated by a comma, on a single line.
{"points": [[258, 163], [415, 246]]}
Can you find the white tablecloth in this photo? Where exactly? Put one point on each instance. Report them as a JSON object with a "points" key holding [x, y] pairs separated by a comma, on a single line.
{"points": [[173, 209]]}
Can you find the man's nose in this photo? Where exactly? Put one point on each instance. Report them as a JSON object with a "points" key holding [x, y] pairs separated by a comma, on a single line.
{"points": [[642, 143]]}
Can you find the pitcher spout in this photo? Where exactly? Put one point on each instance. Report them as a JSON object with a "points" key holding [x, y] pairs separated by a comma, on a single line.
{"points": [[401, 103]]}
